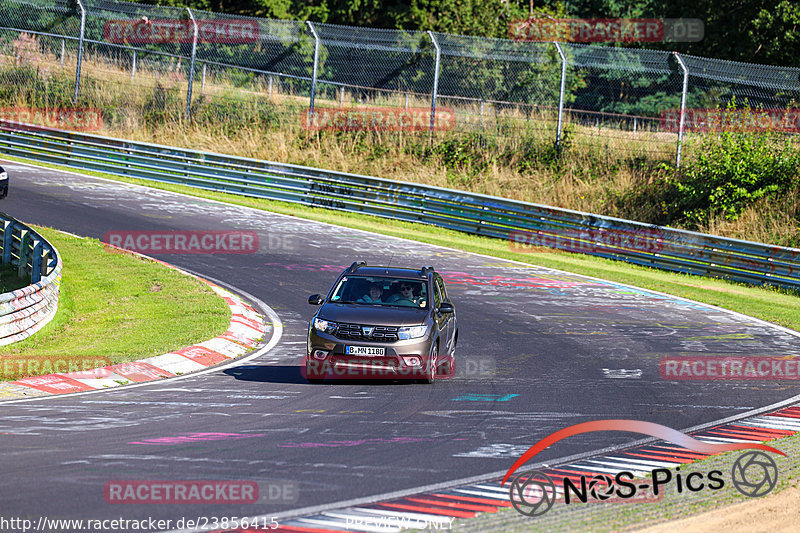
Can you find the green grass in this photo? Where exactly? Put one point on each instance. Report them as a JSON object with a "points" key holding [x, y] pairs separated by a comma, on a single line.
{"points": [[118, 307], [9, 281], [773, 305]]}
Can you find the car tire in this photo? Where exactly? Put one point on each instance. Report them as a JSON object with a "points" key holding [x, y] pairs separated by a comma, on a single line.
{"points": [[449, 367], [430, 374]]}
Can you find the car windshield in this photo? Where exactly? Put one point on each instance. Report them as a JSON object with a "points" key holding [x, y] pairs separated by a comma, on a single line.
{"points": [[364, 290]]}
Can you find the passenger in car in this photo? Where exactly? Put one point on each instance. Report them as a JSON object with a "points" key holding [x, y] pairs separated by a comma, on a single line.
{"points": [[375, 293]]}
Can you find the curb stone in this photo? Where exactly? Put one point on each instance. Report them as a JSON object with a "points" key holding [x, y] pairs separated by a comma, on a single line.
{"points": [[245, 332]]}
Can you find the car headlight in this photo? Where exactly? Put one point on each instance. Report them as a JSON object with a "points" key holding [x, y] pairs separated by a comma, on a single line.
{"points": [[325, 326], [411, 332], [3, 176]]}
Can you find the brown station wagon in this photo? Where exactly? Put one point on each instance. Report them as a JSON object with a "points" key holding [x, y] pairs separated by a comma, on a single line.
{"points": [[382, 323]]}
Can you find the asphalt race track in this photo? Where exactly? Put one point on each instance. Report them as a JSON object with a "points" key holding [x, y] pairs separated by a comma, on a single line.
{"points": [[538, 350]]}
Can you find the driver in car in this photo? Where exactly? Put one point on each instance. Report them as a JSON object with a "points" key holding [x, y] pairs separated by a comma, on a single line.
{"points": [[405, 296]]}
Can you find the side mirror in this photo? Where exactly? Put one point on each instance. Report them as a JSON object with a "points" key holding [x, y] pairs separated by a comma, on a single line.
{"points": [[446, 307], [316, 299]]}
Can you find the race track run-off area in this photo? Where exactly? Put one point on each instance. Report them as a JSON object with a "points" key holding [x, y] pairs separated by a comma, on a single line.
{"points": [[538, 350]]}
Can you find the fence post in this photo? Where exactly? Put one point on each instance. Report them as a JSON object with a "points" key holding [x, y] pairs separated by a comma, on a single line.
{"points": [[560, 123], [133, 65], [8, 236], [203, 81], [36, 262], [63, 50], [435, 77], [24, 242], [191, 63], [80, 52], [683, 108], [314, 72], [341, 96], [269, 90]]}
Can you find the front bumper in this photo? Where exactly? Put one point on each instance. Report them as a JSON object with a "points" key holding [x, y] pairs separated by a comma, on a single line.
{"points": [[326, 357]]}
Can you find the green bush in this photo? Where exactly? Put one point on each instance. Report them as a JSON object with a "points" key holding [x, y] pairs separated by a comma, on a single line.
{"points": [[731, 172]]}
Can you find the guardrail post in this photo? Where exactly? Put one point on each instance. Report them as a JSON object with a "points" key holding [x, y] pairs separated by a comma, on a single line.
{"points": [[314, 71], [8, 236], [48, 262], [191, 64], [80, 52], [24, 239], [36, 262], [560, 123], [435, 77], [683, 108]]}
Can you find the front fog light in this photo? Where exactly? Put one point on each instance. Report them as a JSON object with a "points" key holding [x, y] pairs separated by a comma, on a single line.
{"points": [[320, 354], [411, 332], [411, 361]]}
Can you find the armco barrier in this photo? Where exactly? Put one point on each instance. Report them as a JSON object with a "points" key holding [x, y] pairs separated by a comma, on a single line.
{"points": [[523, 224], [25, 311]]}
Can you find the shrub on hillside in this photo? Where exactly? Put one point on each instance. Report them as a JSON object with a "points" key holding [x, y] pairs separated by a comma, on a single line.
{"points": [[732, 171]]}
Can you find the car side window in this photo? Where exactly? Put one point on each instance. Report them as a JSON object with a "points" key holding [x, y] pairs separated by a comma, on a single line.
{"points": [[437, 296], [440, 286]]}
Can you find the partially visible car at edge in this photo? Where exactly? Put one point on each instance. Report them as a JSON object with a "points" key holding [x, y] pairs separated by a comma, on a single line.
{"points": [[3, 183]]}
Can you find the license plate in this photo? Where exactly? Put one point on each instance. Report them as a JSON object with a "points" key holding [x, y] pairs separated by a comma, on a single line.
{"points": [[364, 350]]}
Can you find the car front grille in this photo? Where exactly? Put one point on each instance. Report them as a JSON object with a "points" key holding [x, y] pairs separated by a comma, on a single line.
{"points": [[357, 332]]}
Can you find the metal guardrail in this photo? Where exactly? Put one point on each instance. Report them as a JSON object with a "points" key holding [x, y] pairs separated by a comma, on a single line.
{"points": [[525, 225], [25, 311]]}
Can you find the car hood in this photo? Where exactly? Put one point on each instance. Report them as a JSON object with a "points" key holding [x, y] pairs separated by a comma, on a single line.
{"points": [[373, 315]]}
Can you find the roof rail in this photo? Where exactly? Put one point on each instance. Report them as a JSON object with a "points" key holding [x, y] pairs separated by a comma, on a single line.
{"points": [[357, 264], [426, 269]]}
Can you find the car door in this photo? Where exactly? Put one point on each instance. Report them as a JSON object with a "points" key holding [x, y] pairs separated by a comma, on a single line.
{"points": [[446, 320]]}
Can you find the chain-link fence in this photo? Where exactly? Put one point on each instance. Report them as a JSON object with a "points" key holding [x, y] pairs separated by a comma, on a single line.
{"points": [[96, 53]]}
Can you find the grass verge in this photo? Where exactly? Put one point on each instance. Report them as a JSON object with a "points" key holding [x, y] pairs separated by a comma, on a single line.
{"points": [[9, 281], [773, 305], [143, 309]]}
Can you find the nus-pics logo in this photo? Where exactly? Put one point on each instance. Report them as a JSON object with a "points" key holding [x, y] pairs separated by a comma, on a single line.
{"points": [[533, 493]]}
